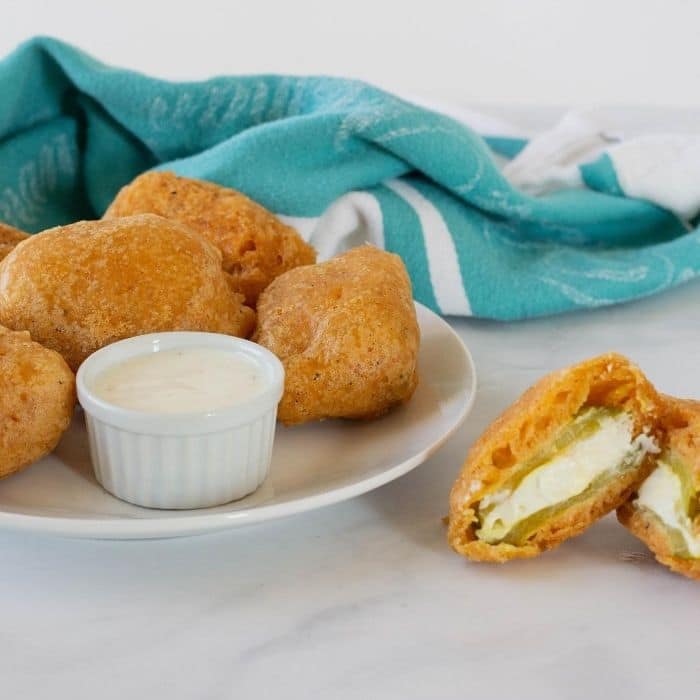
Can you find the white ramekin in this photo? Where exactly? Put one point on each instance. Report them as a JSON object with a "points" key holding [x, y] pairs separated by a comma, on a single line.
{"points": [[183, 460]]}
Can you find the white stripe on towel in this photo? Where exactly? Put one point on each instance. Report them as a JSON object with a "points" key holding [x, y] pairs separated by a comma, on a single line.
{"points": [[445, 275], [353, 219]]}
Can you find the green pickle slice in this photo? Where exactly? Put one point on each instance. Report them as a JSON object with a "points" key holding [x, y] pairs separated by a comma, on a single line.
{"points": [[679, 548], [520, 532], [689, 499], [585, 424]]}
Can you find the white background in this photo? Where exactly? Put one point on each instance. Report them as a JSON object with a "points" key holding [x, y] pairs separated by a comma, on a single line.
{"points": [[546, 52]]}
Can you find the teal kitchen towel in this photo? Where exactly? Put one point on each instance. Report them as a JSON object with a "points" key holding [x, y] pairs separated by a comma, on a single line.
{"points": [[346, 162]]}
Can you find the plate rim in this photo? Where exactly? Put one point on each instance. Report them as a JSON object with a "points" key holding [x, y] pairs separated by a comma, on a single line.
{"points": [[205, 523]]}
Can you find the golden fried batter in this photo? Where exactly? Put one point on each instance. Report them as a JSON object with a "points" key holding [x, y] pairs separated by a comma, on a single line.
{"points": [[681, 425], [77, 288], [257, 247], [564, 410], [37, 397], [9, 238], [347, 334]]}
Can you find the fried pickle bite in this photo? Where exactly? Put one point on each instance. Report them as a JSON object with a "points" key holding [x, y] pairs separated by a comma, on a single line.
{"points": [[347, 334], [570, 450], [9, 238], [256, 245], [37, 397], [77, 288], [665, 511]]}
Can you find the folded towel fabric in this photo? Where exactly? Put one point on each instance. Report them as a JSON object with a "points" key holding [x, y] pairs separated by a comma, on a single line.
{"points": [[349, 163], [590, 146]]}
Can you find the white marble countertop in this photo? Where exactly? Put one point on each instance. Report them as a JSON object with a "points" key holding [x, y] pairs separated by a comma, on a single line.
{"points": [[364, 599]]}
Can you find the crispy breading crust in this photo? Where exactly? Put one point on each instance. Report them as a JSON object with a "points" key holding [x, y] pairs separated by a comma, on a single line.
{"points": [[9, 238], [37, 397], [256, 245], [680, 422], [654, 536], [347, 334], [533, 421], [77, 288]]}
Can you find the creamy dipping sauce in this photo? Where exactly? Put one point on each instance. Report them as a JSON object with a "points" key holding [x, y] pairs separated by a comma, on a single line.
{"points": [[185, 380]]}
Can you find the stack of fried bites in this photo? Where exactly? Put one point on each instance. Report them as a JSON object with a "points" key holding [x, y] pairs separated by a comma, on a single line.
{"points": [[177, 254], [580, 443]]}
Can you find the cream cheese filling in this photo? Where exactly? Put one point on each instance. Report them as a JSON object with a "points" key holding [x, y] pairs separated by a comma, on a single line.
{"points": [[564, 476], [662, 493]]}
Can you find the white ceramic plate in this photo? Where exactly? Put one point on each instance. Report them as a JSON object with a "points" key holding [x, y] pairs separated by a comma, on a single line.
{"points": [[312, 465]]}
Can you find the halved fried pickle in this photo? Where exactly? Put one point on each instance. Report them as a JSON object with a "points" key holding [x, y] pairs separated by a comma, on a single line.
{"points": [[570, 450], [665, 512]]}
